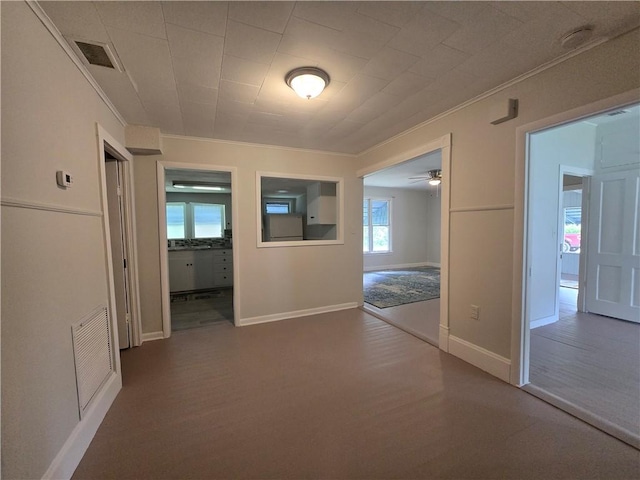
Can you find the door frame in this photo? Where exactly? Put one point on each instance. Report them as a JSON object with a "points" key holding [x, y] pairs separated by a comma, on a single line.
{"points": [[161, 167], [108, 143], [585, 174], [442, 143], [520, 338]]}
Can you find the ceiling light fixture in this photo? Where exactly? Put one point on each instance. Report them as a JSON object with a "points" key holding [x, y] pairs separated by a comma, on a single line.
{"points": [[200, 185], [436, 177], [577, 37], [307, 82]]}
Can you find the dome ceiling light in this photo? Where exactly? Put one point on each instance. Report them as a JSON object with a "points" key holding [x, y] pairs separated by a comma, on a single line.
{"points": [[307, 82]]}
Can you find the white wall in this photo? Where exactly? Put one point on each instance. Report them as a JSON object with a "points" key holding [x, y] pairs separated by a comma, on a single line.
{"points": [[415, 228], [570, 145], [482, 182], [271, 280], [53, 263]]}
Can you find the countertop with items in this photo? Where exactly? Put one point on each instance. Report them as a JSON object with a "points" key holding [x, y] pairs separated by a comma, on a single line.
{"points": [[199, 244]]}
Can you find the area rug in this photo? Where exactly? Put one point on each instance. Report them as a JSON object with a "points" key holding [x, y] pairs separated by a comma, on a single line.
{"points": [[390, 288]]}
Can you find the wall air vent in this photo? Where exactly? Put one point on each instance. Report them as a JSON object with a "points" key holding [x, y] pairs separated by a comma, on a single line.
{"points": [[95, 53]]}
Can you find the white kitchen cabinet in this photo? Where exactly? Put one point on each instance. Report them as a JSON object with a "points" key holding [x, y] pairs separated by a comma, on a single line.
{"points": [[200, 269], [190, 270], [223, 268], [321, 203]]}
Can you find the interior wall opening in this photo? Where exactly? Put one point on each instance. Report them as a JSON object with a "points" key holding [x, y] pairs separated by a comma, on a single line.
{"points": [[198, 244], [583, 258], [401, 245]]}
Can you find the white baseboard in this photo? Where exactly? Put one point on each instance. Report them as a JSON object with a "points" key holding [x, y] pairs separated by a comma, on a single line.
{"points": [[541, 322], [69, 456], [479, 357], [401, 265], [295, 314], [443, 338], [147, 337]]}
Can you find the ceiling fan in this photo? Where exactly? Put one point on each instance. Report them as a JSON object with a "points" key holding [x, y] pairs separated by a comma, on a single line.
{"points": [[434, 177]]}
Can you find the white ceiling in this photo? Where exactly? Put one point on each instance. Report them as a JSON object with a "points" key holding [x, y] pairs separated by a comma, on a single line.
{"points": [[216, 69], [400, 176]]}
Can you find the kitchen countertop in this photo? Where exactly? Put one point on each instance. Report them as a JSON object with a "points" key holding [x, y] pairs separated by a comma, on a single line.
{"points": [[198, 247]]}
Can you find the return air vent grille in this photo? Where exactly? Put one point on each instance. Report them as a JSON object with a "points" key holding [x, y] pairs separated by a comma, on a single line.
{"points": [[92, 355], [95, 54]]}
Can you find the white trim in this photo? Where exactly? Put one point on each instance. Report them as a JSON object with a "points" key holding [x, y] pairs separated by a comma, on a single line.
{"points": [[14, 202], [148, 337], [161, 166], [442, 142], [519, 320], [490, 362], [106, 142], [69, 456], [443, 338], [255, 145], [493, 91], [55, 33], [485, 208], [296, 314], [339, 181], [401, 265], [541, 322]]}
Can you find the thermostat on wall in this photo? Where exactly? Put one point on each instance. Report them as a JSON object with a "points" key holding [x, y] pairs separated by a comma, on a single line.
{"points": [[64, 179]]}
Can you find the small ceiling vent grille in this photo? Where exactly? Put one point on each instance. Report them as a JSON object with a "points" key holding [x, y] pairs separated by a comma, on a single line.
{"points": [[95, 53], [616, 113]]}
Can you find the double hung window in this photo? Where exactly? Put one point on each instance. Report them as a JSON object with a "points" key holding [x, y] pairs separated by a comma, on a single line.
{"points": [[376, 221]]}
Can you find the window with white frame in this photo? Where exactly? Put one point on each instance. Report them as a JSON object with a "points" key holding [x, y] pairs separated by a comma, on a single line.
{"points": [[376, 225], [195, 220]]}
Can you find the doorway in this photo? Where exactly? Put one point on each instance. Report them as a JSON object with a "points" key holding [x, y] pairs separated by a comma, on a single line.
{"points": [[583, 350], [119, 221], [198, 258], [405, 241]]}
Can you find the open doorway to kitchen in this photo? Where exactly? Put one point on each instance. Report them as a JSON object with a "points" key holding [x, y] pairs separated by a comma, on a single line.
{"points": [[197, 217], [405, 241], [582, 292]]}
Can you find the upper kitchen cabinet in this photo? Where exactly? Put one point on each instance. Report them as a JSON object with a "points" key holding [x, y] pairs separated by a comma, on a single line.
{"points": [[321, 203], [312, 204]]}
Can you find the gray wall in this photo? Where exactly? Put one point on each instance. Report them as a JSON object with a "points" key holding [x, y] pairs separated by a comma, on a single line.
{"points": [[415, 228], [53, 263]]}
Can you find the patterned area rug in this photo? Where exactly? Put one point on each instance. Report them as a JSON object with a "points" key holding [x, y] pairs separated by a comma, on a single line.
{"points": [[390, 288]]}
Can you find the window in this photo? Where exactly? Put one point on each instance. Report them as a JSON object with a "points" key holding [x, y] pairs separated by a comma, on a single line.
{"points": [[376, 230], [208, 220], [176, 220], [277, 207], [194, 220]]}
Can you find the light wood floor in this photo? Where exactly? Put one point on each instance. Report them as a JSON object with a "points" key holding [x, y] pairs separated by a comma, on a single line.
{"points": [[593, 363], [337, 396], [420, 319]]}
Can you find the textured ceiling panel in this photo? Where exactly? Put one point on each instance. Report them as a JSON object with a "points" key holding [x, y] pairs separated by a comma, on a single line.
{"points": [[216, 69]]}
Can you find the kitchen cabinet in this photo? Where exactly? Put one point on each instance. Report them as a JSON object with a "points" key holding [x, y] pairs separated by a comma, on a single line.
{"points": [[200, 269], [321, 203], [223, 268]]}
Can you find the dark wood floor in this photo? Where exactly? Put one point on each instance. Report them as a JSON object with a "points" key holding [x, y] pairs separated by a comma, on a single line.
{"points": [[592, 362], [339, 395]]}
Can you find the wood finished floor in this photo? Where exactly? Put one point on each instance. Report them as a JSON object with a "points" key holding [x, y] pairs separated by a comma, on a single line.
{"points": [[420, 319], [338, 395], [590, 361]]}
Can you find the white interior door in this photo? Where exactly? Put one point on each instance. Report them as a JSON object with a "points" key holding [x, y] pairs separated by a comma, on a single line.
{"points": [[116, 229], [613, 264]]}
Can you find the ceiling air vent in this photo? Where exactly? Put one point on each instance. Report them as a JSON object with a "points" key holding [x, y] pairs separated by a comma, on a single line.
{"points": [[616, 113], [95, 53]]}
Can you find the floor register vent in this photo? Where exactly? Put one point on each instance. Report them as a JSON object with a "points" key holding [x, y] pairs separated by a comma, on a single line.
{"points": [[92, 355]]}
